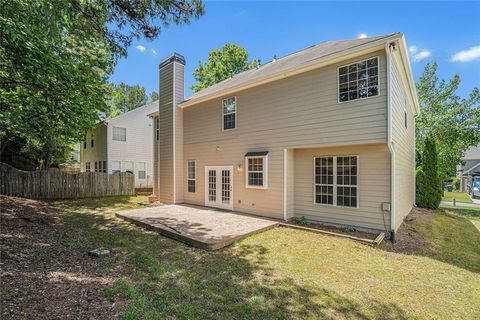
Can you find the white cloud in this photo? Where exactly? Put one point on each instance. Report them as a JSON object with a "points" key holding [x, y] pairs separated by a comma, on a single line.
{"points": [[153, 51], [140, 48], [362, 36], [466, 55], [418, 55]]}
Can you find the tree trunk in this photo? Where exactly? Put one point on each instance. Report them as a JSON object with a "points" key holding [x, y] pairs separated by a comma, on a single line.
{"points": [[48, 158]]}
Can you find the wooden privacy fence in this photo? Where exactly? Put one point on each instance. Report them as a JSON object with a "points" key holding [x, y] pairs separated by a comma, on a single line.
{"points": [[61, 185]]}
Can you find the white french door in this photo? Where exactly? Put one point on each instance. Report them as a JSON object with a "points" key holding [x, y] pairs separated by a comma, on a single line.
{"points": [[219, 187]]}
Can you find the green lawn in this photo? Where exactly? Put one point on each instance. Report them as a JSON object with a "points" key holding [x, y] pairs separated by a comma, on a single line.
{"points": [[459, 197], [284, 273]]}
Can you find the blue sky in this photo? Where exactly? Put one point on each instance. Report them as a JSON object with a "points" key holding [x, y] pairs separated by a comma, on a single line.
{"points": [[446, 32]]}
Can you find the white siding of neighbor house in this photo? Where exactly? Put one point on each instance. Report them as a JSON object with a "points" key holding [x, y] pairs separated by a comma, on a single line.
{"points": [[403, 142], [301, 111], [138, 146], [99, 150]]}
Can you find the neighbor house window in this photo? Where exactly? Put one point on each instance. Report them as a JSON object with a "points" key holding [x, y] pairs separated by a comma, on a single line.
{"points": [[104, 166], [127, 166], [256, 164], [91, 141], [229, 107], [157, 128], [119, 134], [115, 166], [96, 166], [358, 80], [141, 170], [87, 166], [336, 181], [85, 143], [191, 175]]}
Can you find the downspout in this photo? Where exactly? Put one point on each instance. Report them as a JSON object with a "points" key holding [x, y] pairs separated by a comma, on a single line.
{"points": [[391, 147]]}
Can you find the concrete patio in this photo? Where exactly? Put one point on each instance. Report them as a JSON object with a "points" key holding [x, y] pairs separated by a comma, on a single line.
{"points": [[200, 227]]}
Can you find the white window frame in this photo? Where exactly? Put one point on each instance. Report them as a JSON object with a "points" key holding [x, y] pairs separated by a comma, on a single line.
{"points": [[124, 169], [194, 179], [118, 134], [119, 166], [144, 170], [265, 172], [349, 64], [224, 114], [335, 185]]}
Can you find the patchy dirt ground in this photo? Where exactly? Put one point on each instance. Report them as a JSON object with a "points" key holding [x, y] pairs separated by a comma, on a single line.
{"points": [[411, 234], [42, 276]]}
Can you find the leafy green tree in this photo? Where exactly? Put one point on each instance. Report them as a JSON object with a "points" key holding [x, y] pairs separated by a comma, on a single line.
{"points": [[453, 121], [55, 59], [222, 64], [429, 185], [154, 96], [126, 98]]}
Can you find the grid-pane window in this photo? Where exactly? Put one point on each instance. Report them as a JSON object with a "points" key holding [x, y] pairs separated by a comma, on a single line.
{"points": [[191, 175], [141, 170], [119, 134], [115, 166], [104, 166], [127, 166], [358, 80], [87, 166], [229, 108], [96, 166], [324, 180], [256, 172], [336, 181]]}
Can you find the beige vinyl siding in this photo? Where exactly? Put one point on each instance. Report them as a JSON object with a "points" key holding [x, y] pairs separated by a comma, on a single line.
{"points": [[299, 111], [403, 141], [290, 183], [166, 133], [373, 184]]}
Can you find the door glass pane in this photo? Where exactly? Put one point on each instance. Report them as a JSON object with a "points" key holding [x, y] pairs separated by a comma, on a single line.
{"points": [[226, 186], [212, 185]]}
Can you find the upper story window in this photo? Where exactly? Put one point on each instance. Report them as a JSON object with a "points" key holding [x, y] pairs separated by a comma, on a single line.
{"points": [[85, 144], [256, 173], [336, 181], [119, 134], [92, 142], [358, 80], [229, 111]]}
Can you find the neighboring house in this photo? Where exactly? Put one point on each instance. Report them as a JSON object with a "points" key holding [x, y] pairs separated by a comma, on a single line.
{"points": [[326, 133], [469, 170], [120, 144]]}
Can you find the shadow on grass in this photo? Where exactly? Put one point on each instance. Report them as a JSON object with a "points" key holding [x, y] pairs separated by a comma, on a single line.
{"points": [[447, 235], [161, 278]]}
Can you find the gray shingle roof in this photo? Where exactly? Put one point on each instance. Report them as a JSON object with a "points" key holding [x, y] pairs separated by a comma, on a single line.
{"points": [[285, 63]]}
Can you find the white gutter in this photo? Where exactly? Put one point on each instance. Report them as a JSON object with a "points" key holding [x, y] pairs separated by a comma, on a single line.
{"points": [[391, 147], [174, 102], [285, 183], [329, 59]]}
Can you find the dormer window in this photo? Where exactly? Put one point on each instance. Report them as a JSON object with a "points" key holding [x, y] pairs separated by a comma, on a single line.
{"points": [[358, 80], [229, 112]]}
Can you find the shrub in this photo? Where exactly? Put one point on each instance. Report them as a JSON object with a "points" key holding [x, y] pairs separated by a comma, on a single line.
{"points": [[429, 188], [303, 221], [456, 184]]}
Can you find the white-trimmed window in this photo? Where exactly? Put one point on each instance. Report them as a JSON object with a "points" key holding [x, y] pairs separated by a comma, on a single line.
{"points": [[336, 181], [191, 175], [104, 166], [256, 170], [87, 166], [119, 134], [157, 128], [141, 170], [127, 166], [115, 166], [229, 112], [358, 80], [96, 166]]}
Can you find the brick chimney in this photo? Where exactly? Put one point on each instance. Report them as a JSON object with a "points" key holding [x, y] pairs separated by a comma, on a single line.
{"points": [[170, 143]]}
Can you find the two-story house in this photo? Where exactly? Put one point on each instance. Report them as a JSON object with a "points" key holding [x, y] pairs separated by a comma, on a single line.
{"points": [[469, 171], [326, 133], [120, 144]]}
